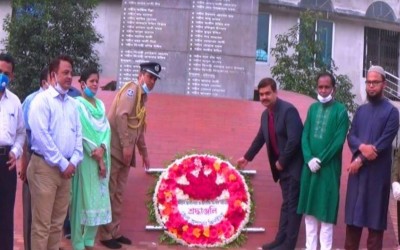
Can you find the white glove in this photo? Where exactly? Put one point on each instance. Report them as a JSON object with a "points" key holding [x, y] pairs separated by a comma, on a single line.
{"points": [[313, 164], [396, 190]]}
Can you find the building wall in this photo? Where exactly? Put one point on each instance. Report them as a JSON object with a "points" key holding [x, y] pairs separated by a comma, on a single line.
{"points": [[348, 50], [347, 56], [348, 37], [362, 6]]}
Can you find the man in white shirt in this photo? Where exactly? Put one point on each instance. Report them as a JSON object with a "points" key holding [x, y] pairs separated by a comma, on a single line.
{"points": [[12, 137]]}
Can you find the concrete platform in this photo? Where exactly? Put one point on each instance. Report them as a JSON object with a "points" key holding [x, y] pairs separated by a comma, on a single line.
{"points": [[177, 124]]}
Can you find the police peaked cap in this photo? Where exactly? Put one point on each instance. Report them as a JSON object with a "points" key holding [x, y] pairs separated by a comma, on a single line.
{"points": [[151, 67]]}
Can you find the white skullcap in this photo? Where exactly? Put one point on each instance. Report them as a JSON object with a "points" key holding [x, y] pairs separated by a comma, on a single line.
{"points": [[377, 69]]}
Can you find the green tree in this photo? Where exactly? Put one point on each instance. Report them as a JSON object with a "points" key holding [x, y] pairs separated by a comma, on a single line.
{"points": [[299, 61], [40, 30]]}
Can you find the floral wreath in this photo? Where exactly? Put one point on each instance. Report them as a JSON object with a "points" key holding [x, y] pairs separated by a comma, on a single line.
{"points": [[202, 200]]}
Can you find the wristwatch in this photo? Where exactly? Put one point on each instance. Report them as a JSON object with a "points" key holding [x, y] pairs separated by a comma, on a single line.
{"points": [[103, 146]]}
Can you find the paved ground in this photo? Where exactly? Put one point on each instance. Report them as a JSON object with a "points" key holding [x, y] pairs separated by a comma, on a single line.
{"points": [[177, 124]]}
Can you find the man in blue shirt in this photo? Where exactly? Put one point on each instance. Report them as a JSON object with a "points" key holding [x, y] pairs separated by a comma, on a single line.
{"points": [[56, 136]]}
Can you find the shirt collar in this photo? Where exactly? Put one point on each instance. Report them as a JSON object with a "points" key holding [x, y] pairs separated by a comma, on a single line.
{"points": [[54, 93], [4, 94]]}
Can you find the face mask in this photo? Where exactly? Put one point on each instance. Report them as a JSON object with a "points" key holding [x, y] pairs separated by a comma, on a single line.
{"points": [[59, 88], [88, 92], [145, 88], [4, 80], [325, 99]]}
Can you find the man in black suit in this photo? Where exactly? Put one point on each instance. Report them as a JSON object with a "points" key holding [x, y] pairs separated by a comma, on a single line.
{"points": [[281, 129]]}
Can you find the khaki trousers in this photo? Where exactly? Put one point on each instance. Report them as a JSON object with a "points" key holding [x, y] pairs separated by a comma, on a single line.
{"points": [[26, 215], [118, 179], [50, 194]]}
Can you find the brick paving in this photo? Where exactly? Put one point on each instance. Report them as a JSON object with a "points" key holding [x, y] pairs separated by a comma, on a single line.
{"points": [[178, 124]]}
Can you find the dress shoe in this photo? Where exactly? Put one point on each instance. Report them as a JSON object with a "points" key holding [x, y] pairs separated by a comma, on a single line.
{"points": [[124, 240], [112, 244], [272, 244], [283, 247]]}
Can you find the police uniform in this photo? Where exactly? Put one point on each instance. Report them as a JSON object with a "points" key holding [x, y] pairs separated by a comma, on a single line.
{"points": [[127, 117]]}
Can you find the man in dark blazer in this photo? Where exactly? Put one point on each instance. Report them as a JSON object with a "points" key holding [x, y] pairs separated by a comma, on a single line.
{"points": [[281, 129]]}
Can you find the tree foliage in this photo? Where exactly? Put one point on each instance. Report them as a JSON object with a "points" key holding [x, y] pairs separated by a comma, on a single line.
{"points": [[40, 30], [299, 61]]}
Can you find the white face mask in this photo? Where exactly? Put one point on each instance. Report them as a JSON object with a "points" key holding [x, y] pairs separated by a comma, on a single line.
{"points": [[145, 88], [59, 88], [325, 99]]}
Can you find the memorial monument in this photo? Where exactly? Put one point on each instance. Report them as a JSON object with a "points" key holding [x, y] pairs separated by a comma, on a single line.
{"points": [[206, 47]]}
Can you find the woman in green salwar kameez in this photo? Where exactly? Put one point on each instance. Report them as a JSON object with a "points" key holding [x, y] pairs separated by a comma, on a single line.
{"points": [[90, 200]]}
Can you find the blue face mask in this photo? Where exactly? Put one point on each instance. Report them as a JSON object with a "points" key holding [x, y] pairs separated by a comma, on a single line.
{"points": [[4, 80], [88, 92], [145, 88]]}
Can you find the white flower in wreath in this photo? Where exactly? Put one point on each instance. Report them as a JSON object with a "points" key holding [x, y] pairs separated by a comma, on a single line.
{"points": [[165, 175], [224, 195], [244, 206], [183, 180], [161, 207], [198, 163], [164, 219], [196, 172], [180, 195], [207, 170], [220, 179]]}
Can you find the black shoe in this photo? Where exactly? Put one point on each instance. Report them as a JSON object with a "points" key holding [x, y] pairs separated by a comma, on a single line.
{"points": [[271, 245], [112, 244], [124, 240]]}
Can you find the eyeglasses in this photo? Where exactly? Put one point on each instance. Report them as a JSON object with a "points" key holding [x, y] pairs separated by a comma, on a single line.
{"points": [[373, 83]]}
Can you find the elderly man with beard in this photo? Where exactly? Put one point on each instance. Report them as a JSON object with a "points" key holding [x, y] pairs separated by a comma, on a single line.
{"points": [[372, 131]]}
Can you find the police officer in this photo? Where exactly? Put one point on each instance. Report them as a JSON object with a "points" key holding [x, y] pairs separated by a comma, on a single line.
{"points": [[127, 118]]}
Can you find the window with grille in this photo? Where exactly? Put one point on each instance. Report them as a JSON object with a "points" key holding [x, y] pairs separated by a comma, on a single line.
{"points": [[381, 47]]}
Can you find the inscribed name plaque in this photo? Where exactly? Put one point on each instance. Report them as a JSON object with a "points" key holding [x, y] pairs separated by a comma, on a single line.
{"points": [[202, 200], [206, 47], [203, 212]]}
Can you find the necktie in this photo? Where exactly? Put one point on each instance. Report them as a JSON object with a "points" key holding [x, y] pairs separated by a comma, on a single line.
{"points": [[271, 132]]}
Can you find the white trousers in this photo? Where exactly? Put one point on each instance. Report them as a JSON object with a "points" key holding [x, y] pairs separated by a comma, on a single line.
{"points": [[325, 236]]}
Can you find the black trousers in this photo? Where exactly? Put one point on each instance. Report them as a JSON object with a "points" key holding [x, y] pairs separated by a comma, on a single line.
{"points": [[8, 188], [289, 220]]}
